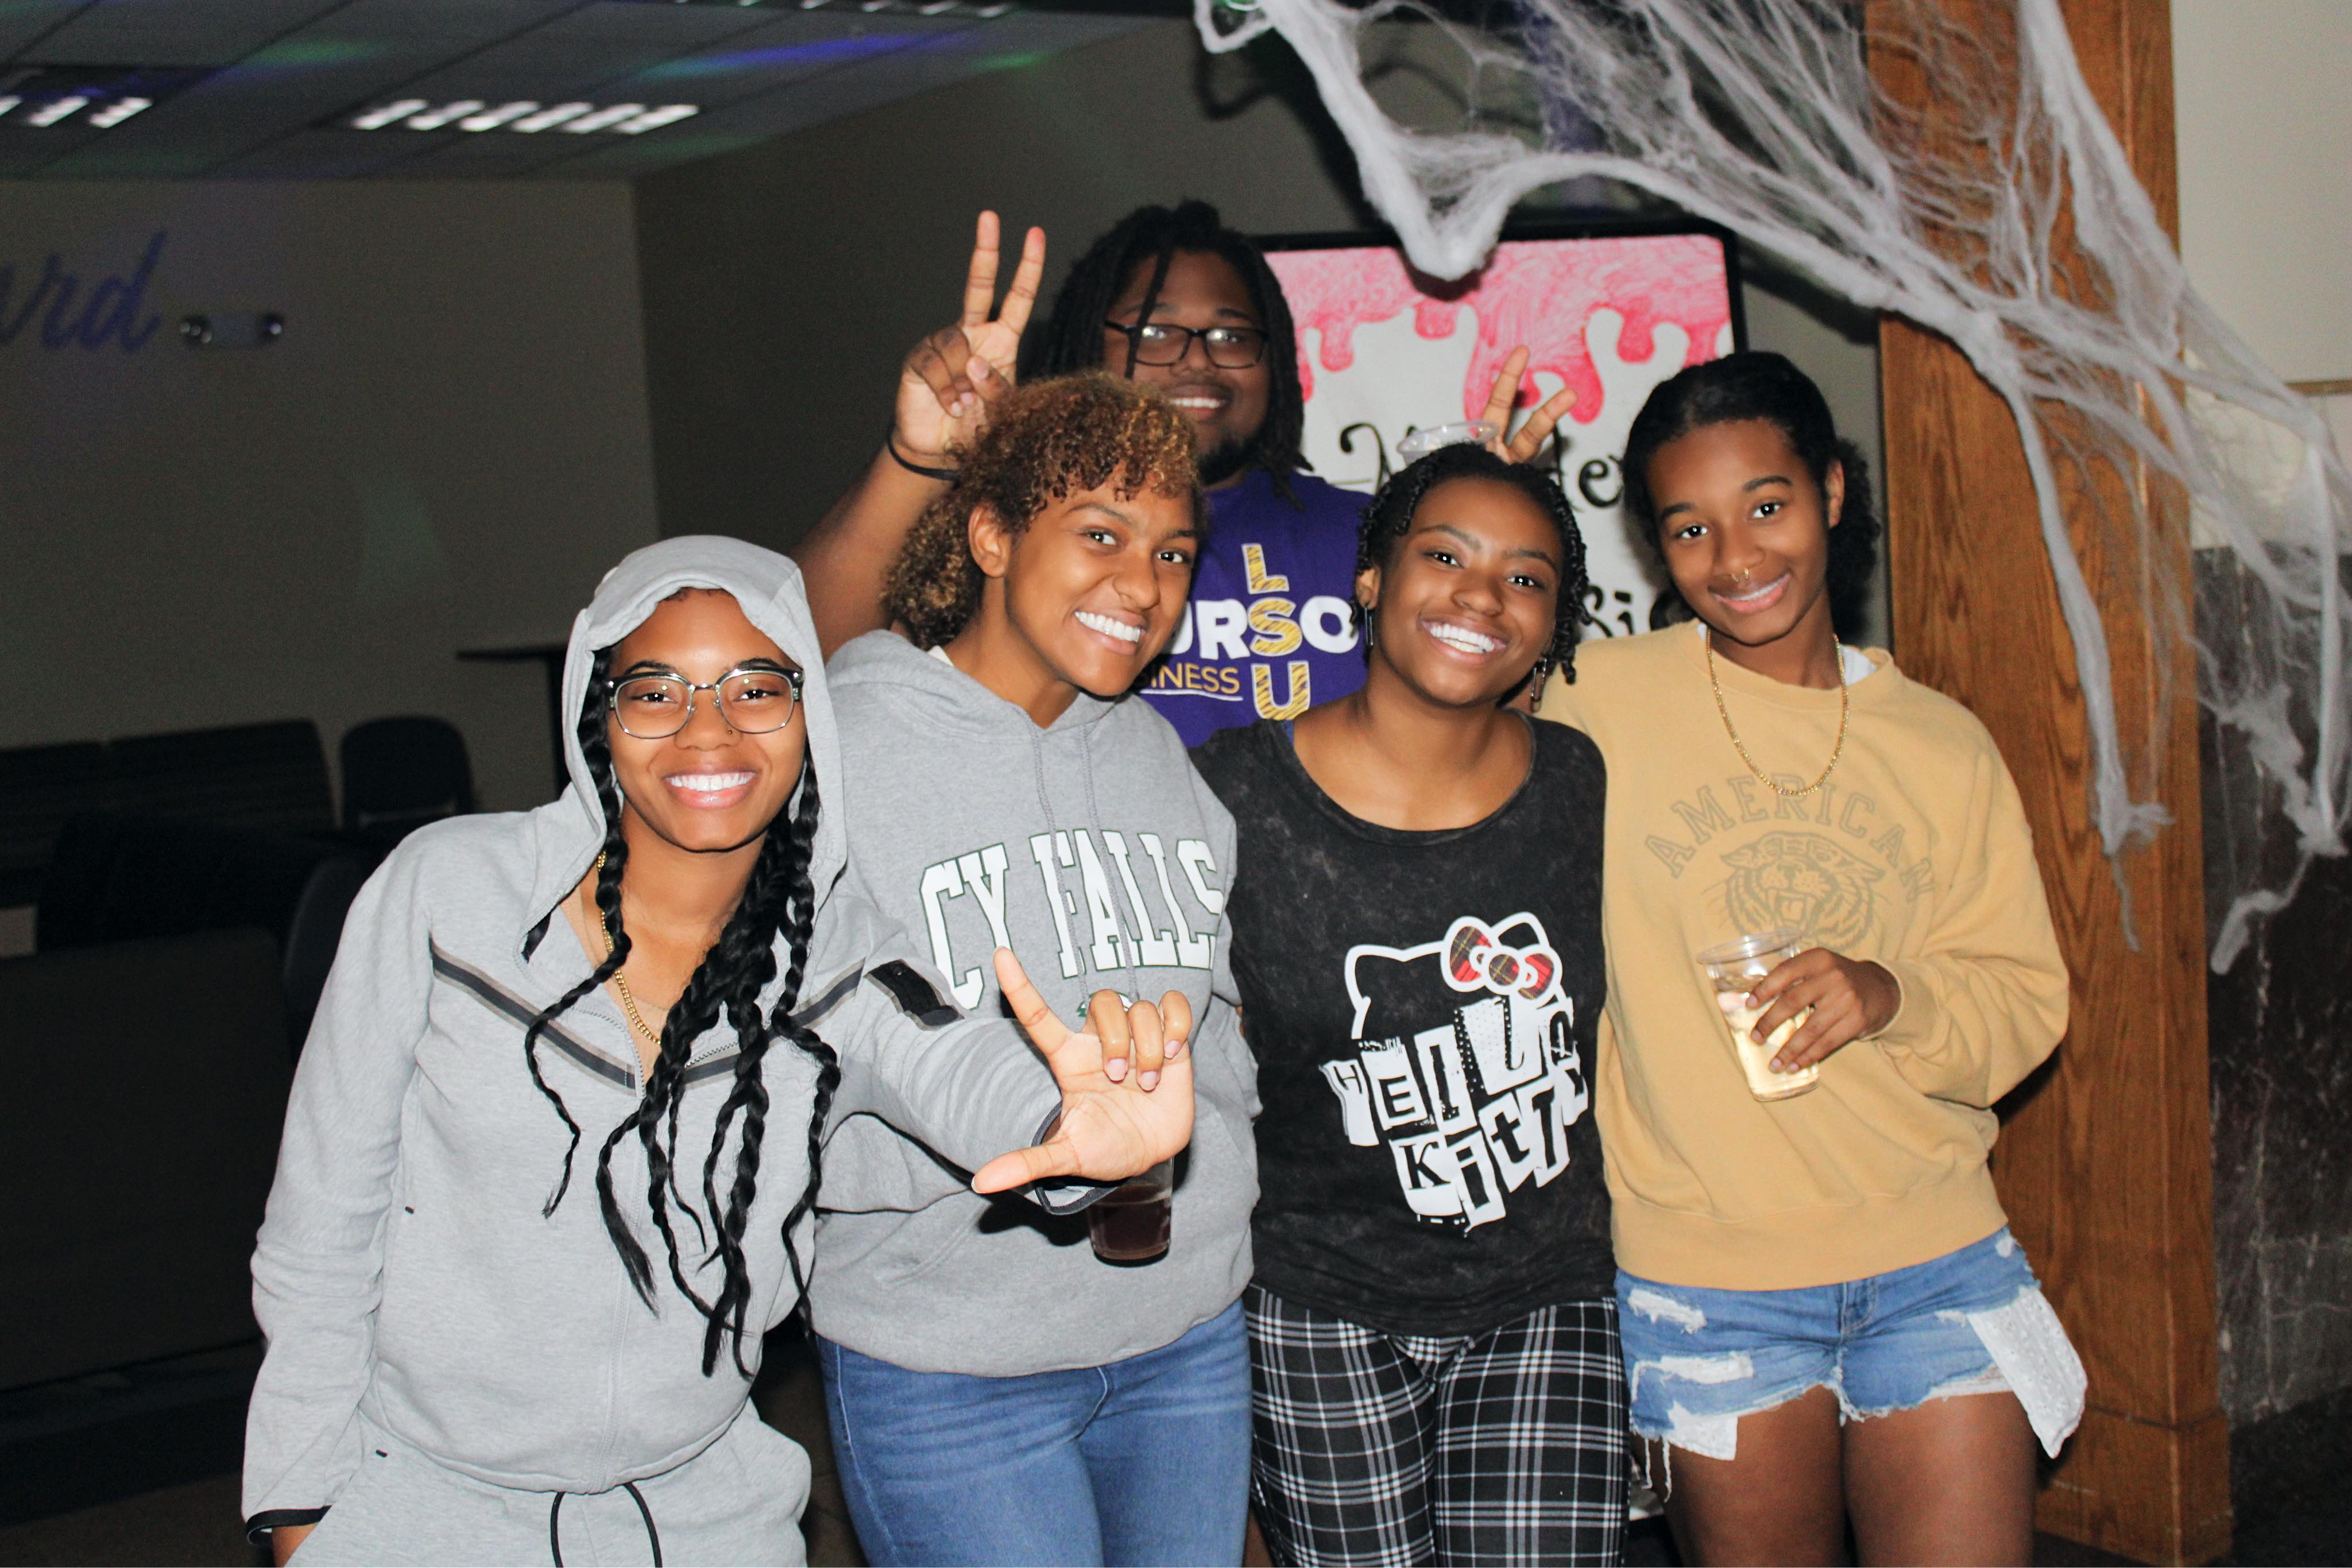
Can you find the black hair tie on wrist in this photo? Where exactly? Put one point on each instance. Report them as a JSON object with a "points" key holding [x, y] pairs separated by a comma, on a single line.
{"points": [[890, 444]]}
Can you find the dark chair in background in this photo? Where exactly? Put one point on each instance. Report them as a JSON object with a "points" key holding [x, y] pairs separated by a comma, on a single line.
{"points": [[40, 788], [402, 773], [270, 778], [124, 879], [147, 1085]]}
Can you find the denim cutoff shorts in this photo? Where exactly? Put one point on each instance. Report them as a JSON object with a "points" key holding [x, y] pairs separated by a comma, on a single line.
{"points": [[1971, 1321]]}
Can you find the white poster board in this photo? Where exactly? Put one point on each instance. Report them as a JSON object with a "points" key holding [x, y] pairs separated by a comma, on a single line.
{"points": [[1383, 351]]}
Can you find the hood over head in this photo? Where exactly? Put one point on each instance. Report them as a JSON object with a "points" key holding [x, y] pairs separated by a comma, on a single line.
{"points": [[768, 588]]}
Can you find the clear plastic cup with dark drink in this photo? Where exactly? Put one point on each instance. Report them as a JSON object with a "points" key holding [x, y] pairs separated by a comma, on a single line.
{"points": [[1129, 1224]]}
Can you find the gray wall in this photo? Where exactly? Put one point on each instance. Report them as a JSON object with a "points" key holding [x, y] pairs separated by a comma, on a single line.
{"points": [[783, 282], [445, 450], [2265, 138]]}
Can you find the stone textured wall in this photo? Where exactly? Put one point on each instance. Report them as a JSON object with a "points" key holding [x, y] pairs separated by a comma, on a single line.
{"points": [[2281, 1031]]}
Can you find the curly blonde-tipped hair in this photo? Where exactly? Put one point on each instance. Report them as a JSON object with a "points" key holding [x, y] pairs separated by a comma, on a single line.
{"points": [[1045, 441]]}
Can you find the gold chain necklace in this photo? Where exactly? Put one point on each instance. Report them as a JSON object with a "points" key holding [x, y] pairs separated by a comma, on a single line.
{"points": [[1845, 706], [621, 981]]}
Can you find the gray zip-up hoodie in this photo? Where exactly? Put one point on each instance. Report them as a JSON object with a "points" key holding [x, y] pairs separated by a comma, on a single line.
{"points": [[406, 1276], [1094, 850]]}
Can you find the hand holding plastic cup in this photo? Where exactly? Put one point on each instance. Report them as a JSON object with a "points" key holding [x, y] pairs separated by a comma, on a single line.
{"points": [[1734, 967], [1130, 1223]]}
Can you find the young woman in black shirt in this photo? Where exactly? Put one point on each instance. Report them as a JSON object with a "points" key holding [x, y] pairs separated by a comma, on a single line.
{"points": [[1417, 942]]}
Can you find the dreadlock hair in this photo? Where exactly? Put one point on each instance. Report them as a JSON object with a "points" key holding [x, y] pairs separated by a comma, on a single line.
{"points": [[1389, 517], [779, 899], [1045, 441], [1759, 384], [1147, 239]]}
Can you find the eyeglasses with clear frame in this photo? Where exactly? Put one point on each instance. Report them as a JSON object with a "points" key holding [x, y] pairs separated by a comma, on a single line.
{"points": [[753, 700], [1166, 343]]}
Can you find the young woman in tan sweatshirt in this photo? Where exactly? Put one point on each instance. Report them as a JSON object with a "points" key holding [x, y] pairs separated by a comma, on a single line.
{"points": [[1825, 1319]]}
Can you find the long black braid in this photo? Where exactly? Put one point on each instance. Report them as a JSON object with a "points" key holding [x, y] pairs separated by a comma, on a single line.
{"points": [[778, 899], [598, 749], [1151, 237], [1388, 518], [749, 1098]]}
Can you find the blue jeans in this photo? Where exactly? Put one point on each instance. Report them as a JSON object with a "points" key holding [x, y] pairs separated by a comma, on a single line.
{"points": [[1971, 1321], [1143, 1462]]}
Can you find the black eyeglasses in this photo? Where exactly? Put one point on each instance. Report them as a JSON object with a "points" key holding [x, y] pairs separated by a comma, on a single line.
{"points": [[1165, 343], [753, 701]]}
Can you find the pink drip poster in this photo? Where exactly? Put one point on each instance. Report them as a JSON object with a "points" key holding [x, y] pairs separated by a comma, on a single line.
{"points": [[1383, 351]]}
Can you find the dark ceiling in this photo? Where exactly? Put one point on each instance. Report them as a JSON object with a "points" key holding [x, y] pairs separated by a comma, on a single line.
{"points": [[280, 78]]}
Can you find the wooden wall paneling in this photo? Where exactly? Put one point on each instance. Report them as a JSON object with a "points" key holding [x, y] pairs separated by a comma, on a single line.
{"points": [[2105, 1162]]}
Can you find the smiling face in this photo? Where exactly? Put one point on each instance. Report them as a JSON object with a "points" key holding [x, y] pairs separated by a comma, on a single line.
{"points": [[1084, 598], [1227, 407], [1470, 596], [710, 787], [1746, 532]]}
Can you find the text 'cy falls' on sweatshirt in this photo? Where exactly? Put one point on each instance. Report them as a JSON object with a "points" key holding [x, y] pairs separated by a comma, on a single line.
{"points": [[1092, 849], [447, 1364]]}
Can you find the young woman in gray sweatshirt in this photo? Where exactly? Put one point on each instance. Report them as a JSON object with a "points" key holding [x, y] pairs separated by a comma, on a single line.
{"points": [[998, 1393], [548, 1167]]}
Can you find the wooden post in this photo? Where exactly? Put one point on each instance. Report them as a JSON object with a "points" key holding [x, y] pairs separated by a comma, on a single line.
{"points": [[2106, 1163]]}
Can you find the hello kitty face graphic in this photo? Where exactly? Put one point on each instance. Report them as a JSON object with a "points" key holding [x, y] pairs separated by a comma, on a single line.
{"points": [[1475, 957], [1464, 1065]]}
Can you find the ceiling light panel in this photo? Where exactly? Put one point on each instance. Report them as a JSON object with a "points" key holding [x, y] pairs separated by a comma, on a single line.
{"points": [[85, 98], [525, 116]]}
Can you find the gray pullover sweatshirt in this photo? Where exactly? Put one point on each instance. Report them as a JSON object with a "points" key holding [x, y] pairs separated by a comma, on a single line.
{"points": [[405, 1277], [1094, 850]]}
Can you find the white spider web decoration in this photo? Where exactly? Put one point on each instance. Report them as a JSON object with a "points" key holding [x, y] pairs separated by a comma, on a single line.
{"points": [[2005, 217]]}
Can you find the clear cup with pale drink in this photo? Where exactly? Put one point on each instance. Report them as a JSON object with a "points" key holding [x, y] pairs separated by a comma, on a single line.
{"points": [[1733, 968]]}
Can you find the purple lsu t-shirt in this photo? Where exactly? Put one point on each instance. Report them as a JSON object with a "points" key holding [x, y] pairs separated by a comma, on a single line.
{"points": [[1266, 634]]}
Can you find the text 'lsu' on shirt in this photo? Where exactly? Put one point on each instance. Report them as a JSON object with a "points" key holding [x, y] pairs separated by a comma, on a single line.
{"points": [[1266, 634]]}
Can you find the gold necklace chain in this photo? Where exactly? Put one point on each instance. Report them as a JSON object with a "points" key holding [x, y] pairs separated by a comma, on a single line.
{"points": [[621, 981], [1845, 706]]}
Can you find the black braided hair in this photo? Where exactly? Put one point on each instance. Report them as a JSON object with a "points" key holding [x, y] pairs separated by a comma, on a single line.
{"points": [[778, 899], [1389, 517], [1150, 237], [597, 747], [749, 1095], [1759, 384]]}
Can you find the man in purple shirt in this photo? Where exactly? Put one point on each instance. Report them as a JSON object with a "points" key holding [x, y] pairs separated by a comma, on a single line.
{"points": [[1171, 297]]}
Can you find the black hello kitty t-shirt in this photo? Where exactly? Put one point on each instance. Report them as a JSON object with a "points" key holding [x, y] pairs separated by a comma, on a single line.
{"points": [[1422, 1008]]}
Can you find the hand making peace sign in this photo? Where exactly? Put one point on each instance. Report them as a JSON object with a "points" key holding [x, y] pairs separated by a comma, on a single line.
{"points": [[949, 377], [1109, 1130], [1522, 446]]}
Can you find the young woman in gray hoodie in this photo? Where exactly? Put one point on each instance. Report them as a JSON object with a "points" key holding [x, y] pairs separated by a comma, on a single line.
{"points": [[530, 1221], [998, 1393]]}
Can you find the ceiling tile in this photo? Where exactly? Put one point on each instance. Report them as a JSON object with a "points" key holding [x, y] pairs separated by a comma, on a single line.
{"points": [[288, 68], [455, 24], [174, 32], [22, 21], [26, 151], [311, 155]]}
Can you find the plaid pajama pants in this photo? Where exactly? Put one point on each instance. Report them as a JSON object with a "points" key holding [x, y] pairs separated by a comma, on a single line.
{"points": [[1507, 1447]]}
